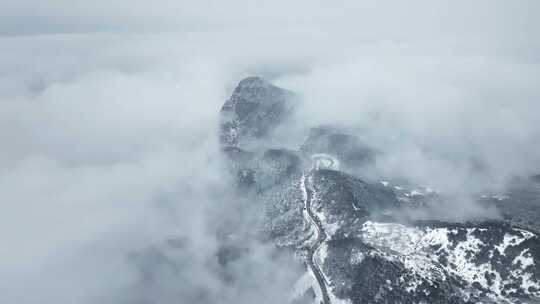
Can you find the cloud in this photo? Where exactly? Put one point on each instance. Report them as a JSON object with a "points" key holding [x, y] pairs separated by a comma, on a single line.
{"points": [[439, 119], [106, 159], [109, 116], [374, 19]]}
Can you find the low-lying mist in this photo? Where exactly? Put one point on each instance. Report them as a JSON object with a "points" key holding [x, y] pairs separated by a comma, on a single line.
{"points": [[109, 154]]}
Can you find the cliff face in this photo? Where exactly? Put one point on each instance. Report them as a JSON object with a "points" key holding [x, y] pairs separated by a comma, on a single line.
{"points": [[353, 238], [253, 111]]}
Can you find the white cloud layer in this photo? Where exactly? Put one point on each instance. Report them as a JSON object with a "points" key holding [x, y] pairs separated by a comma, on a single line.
{"points": [[109, 110]]}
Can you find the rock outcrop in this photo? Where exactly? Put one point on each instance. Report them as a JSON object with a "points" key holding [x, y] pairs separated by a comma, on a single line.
{"points": [[369, 255], [254, 110]]}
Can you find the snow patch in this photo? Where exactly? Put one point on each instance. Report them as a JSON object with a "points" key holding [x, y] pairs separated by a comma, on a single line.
{"points": [[501, 197], [321, 254], [513, 240], [525, 259], [397, 237], [420, 250], [329, 228], [356, 257]]}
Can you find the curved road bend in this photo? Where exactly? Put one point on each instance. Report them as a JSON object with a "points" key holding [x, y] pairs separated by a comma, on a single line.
{"points": [[321, 236], [326, 161]]}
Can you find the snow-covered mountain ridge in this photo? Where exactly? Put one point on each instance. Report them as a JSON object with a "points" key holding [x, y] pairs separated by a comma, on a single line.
{"points": [[356, 245]]}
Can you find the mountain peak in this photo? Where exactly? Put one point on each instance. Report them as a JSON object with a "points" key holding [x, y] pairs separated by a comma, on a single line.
{"points": [[252, 81], [253, 111]]}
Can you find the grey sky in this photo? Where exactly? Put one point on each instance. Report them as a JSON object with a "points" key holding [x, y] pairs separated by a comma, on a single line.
{"points": [[377, 18], [109, 111]]}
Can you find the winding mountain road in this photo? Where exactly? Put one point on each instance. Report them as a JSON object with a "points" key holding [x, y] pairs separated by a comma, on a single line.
{"points": [[321, 236]]}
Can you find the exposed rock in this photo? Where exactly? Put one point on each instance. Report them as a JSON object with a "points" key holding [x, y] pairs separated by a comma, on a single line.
{"points": [[253, 112]]}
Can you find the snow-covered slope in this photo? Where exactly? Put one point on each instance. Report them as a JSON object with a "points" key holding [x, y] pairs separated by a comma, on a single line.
{"points": [[369, 254]]}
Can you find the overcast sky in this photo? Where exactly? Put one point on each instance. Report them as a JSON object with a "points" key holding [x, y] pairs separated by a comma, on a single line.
{"points": [[412, 19], [109, 110]]}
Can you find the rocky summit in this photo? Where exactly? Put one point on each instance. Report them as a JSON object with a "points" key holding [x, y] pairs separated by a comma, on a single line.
{"points": [[253, 111], [349, 233]]}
